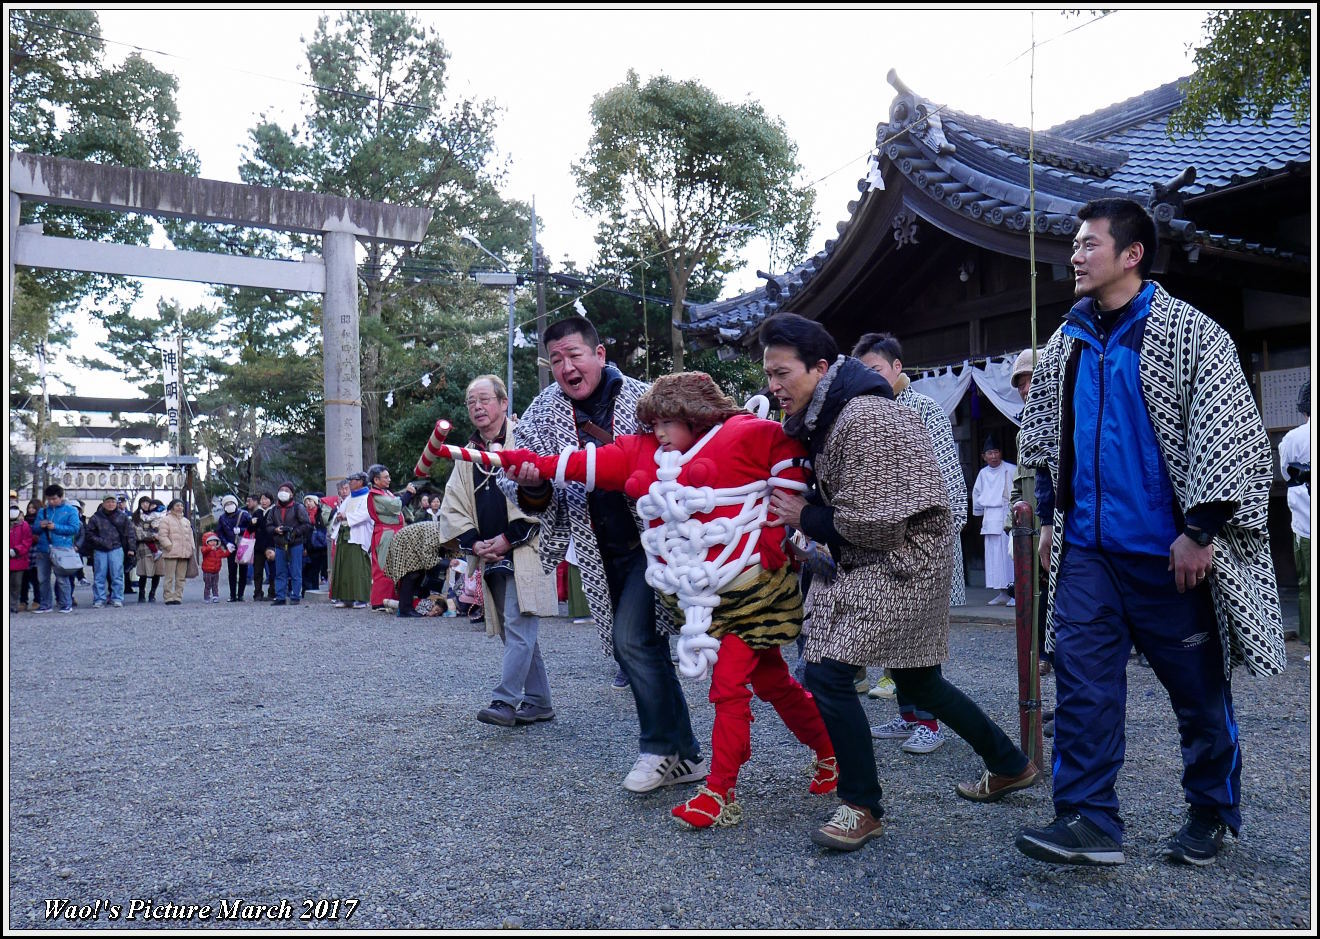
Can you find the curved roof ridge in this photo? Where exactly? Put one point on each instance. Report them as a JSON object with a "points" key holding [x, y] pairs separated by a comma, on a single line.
{"points": [[1135, 110], [1092, 159]]}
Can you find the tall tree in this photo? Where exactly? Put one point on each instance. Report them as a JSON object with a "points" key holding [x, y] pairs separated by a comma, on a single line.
{"points": [[380, 126], [66, 101], [701, 175], [1250, 62]]}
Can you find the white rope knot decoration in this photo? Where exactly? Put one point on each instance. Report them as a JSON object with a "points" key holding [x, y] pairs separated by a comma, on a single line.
{"points": [[677, 549]]}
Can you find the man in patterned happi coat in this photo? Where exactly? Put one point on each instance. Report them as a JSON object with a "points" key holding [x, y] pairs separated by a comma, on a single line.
{"points": [[1161, 472], [883, 354], [592, 402], [887, 524]]}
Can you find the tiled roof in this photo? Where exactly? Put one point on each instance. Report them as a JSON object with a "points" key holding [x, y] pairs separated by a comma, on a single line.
{"points": [[978, 170], [1226, 155]]}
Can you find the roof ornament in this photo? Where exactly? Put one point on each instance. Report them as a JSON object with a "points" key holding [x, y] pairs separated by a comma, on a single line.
{"points": [[919, 117], [1183, 179], [1167, 205], [905, 229]]}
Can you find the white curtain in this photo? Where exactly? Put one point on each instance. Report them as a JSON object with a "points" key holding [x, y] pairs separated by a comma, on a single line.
{"points": [[948, 388], [945, 387], [994, 385]]}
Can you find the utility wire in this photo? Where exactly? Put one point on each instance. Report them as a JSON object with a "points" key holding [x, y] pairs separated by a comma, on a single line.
{"points": [[603, 286]]}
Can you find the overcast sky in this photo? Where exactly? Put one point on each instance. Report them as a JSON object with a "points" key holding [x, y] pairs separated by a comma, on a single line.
{"points": [[821, 72]]}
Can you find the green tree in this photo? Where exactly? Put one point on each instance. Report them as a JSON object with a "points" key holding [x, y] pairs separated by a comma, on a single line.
{"points": [[66, 101], [1250, 62], [632, 280], [380, 126], [700, 175]]}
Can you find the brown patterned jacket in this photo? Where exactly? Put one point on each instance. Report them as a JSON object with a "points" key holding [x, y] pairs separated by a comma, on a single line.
{"points": [[889, 604]]}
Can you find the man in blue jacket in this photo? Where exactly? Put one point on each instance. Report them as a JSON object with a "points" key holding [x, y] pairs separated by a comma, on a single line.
{"points": [[1161, 474], [56, 526]]}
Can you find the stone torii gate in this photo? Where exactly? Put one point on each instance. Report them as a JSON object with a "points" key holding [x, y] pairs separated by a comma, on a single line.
{"points": [[337, 220]]}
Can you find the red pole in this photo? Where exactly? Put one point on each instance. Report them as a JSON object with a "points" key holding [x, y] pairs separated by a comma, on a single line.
{"points": [[1024, 584], [432, 450]]}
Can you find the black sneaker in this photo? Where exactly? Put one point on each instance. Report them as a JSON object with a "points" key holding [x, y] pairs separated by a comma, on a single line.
{"points": [[1071, 839], [279, 602], [500, 713], [1197, 842], [533, 713]]}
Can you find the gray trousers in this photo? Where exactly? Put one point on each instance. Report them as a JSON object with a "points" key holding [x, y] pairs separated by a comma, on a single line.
{"points": [[522, 677]]}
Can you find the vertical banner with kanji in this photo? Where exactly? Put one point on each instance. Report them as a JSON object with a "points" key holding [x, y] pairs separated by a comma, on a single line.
{"points": [[170, 376]]}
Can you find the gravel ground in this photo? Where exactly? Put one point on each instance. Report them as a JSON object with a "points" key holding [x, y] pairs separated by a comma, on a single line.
{"points": [[198, 754]]}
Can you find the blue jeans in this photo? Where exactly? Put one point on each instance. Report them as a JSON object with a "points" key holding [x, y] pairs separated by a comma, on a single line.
{"points": [[1105, 603], [288, 568], [522, 676], [63, 583], [643, 653], [112, 563]]}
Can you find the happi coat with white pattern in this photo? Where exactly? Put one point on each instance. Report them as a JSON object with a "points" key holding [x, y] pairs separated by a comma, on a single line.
{"points": [[547, 427], [1215, 450]]}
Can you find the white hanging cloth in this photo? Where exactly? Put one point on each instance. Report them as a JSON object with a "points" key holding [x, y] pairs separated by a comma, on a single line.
{"points": [[993, 382], [946, 388]]}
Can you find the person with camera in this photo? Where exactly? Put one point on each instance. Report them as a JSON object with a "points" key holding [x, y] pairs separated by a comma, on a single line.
{"points": [[287, 528]]}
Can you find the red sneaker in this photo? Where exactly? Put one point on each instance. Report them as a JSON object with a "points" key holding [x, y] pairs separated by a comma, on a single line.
{"points": [[826, 778], [708, 808]]}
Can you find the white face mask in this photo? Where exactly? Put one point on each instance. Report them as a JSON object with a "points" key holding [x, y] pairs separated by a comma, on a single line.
{"points": [[285, 495], [14, 511]]}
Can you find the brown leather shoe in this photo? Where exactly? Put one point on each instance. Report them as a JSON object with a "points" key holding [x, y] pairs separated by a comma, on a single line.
{"points": [[991, 787], [849, 829]]}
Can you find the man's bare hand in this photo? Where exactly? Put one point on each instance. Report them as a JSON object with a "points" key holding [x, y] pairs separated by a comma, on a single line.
{"points": [[528, 475], [788, 506], [1046, 546], [1190, 563], [495, 548]]}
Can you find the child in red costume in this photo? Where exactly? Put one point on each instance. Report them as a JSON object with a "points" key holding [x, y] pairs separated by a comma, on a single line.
{"points": [[213, 555], [702, 480]]}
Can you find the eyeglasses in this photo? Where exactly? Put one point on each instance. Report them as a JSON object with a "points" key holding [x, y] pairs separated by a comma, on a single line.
{"points": [[483, 400]]}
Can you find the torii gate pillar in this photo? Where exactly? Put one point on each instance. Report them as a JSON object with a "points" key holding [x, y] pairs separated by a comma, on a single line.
{"points": [[343, 362]]}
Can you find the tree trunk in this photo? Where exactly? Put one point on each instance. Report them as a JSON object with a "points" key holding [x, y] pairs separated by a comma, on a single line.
{"points": [[676, 317], [252, 462]]}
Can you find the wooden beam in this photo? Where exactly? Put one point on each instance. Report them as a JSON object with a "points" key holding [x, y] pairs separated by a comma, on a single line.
{"points": [[20, 401], [172, 195], [71, 254]]}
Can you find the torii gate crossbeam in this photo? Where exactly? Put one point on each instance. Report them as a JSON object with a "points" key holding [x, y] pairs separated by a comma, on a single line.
{"points": [[339, 222]]}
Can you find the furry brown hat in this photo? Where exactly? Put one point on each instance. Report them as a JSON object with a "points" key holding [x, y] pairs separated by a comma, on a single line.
{"points": [[687, 396]]}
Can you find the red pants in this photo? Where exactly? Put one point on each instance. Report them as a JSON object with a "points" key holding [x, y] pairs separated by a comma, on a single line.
{"points": [[737, 667]]}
